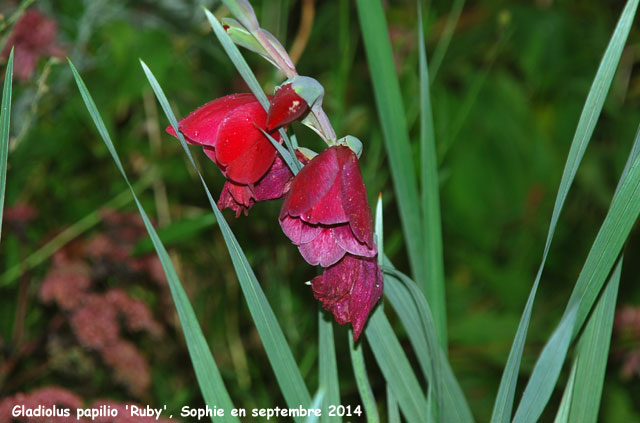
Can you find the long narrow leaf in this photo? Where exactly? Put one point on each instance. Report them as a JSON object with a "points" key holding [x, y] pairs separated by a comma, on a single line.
{"points": [[362, 380], [392, 407], [395, 367], [563, 411], [286, 370], [5, 122], [396, 137], [328, 367], [207, 373], [593, 346], [593, 106], [604, 252], [592, 354], [430, 194]]}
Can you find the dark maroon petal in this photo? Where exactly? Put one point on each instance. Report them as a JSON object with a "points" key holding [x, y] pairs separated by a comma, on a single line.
{"points": [[346, 240], [328, 210], [285, 107], [350, 289], [236, 197], [201, 125], [323, 250], [275, 183], [298, 231], [354, 196], [311, 184]]}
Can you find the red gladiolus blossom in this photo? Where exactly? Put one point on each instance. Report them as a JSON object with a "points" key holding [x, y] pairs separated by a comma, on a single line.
{"points": [[326, 213], [350, 289], [285, 107], [228, 131]]}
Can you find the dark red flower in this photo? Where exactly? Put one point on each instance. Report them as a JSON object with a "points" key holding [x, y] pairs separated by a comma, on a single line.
{"points": [[228, 130], [33, 36], [350, 289], [326, 212], [285, 107]]}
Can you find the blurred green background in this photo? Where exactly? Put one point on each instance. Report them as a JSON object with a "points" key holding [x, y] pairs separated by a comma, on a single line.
{"points": [[506, 94]]}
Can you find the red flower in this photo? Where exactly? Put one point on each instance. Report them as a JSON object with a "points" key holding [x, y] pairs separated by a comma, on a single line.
{"points": [[350, 289], [326, 213], [285, 107], [227, 129]]}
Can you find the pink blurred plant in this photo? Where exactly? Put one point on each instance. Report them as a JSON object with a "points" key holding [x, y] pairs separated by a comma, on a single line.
{"points": [[34, 37]]}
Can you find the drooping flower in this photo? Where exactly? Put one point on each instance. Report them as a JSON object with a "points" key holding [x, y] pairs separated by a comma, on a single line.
{"points": [[326, 212], [350, 289], [285, 107], [228, 129]]}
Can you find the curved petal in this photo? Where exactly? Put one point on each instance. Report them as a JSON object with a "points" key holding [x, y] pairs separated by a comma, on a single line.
{"points": [[298, 231], [275, 183], [241, 147], [345, 239], [201, 125], [354, 196], [311, 184], [323, 250]]}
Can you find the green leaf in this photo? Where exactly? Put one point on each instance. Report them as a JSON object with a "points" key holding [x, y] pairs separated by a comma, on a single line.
{"points": [[445, 38], [563, 411], [430, 195], [392, 407], [396, 137], [362, 380], [176, 232], [592, 354], [622, 215], [286, 370], [593, 106], [328, 367], [449, 402], [395, 367], [207, 373], [5, 123]]}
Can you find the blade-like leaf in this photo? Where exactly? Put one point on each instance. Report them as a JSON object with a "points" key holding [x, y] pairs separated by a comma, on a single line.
{"points": [[593, 346], [593, 106], [5, 122], [211, 385], [563, 411], [362, 380], [392, 407], [328, 367], [449, 402], [286, 370], [430, 194], [445, 37], [622, 215], [592, 354], [396, 137], [395, 367]]}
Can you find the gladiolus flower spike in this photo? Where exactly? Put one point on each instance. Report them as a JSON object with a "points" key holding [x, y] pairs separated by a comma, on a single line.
{"points": [[326, 214]]}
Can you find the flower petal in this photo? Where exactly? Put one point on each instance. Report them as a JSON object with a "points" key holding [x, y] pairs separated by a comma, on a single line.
{"points": [[201, 125], [354, 196], [350, 289], [236, 197], [298, 231], [241, 147], [275, 183], [311, 184], [323, 250], [345, 239], [285, 107]]}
